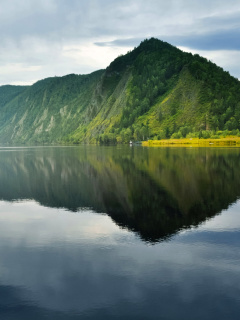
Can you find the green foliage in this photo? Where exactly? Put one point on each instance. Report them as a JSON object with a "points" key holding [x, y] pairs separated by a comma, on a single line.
{"points": [[176, 135], [221, 90], [154, 71], [154, 91], [106, 139], [8, 93], [48, 111]]}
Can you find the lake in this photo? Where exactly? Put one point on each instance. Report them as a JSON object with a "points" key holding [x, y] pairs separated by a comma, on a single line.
{"points": [[120, 232]]}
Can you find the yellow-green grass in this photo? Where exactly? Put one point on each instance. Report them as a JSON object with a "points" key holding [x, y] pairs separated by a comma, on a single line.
{"points": [[227, 141]]}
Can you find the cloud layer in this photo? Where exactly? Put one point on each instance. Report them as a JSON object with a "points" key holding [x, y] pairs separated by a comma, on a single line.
{"points": [[56, 37]]}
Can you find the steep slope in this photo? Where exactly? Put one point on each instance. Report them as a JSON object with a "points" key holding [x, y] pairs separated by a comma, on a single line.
{"points": [[8, 92], [154, 91], [164, 92], [48, 110]]}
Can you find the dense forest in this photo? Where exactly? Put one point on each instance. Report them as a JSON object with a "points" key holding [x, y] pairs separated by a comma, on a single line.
{"points": [[155, 91]]}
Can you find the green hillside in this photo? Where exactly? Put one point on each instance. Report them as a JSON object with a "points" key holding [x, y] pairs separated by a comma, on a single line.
{"points": [[154, 91], [48, 110], [8, 93]]}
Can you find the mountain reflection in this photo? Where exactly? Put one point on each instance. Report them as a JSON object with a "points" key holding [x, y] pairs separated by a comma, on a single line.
{"points": [[154, 192]]}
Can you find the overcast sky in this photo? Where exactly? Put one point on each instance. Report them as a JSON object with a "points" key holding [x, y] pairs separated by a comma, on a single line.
{"points": [[44, 38]]}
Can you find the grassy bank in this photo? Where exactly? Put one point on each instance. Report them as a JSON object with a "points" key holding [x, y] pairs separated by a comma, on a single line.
{"points": [[227, 141]]}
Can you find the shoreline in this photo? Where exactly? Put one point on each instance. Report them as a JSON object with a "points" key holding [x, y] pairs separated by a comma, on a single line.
{"points": [[228, 141]]}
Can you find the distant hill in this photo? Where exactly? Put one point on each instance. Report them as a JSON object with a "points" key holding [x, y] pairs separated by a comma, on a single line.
{"points": [[154, 91]]}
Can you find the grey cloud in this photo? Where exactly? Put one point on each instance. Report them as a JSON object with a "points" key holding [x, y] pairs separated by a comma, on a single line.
{"points": [[62, 20], [54, 24], [221, 32], [218, 32], [132, 42], [228, 20], [221, 40]]}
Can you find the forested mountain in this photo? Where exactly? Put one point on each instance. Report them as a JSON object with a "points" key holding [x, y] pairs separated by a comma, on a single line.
{"points": [[154, 91]]}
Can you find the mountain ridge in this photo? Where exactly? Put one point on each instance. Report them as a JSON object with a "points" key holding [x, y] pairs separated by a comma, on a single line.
{"points": [[154, 91]]}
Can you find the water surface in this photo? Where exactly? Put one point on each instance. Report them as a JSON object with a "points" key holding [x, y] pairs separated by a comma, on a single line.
{"points": [[119, 233]]}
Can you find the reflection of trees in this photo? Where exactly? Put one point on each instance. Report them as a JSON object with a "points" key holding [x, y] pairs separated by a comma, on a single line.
{"points": [[154, 192]]}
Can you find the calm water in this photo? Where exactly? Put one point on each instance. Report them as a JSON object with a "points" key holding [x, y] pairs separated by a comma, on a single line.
{"points": [[119, 233]]}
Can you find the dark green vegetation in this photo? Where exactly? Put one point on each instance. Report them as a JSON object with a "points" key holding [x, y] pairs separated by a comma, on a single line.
{"points": [[154, 192], [155, 91], [8, 93]]}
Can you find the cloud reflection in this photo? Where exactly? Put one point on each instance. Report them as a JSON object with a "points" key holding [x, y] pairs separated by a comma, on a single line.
{"points": [[59, 263]]}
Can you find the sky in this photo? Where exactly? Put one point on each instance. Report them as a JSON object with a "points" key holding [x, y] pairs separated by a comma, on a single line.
{"points": [[45, 38]]}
